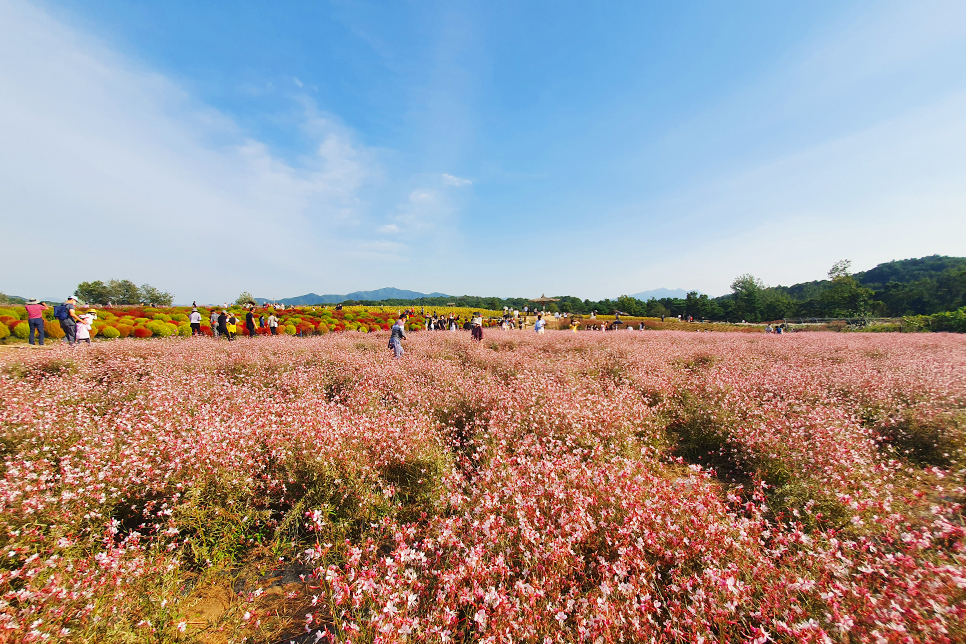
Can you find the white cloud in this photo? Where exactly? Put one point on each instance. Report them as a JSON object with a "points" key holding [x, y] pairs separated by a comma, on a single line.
{"points": [[297, 82], [422, 197], [450, 180], [120, 166], [388, 228]]}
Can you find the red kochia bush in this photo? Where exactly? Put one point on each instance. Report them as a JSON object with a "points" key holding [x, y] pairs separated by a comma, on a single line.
{"points": [[141, 332]]}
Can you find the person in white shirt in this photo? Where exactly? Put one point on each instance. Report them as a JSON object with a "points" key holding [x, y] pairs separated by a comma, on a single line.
{"points": [[539, 324], [84, 325], [195, 321], [273, 324]]}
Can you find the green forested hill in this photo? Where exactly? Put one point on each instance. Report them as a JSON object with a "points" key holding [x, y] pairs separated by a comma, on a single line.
{"points": [[905, 271], [921, 286]]}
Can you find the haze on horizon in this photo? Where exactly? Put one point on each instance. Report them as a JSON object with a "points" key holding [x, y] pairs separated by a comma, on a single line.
{"points": [[480, 148]]}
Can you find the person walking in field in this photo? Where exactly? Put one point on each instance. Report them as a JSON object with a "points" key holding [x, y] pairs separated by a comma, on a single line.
{"points": [[250, 323], [68, 318], [35, 318], [539, 324], [84, 325], [477, 331], [397, 335], [213, 321], [195, 321], [222, 324], [273, 323], [231, 326]]}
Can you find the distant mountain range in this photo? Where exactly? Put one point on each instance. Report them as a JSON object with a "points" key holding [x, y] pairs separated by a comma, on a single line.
{"points": [[660, 293], [389, 293]]}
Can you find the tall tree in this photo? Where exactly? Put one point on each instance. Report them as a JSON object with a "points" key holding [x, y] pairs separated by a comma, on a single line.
{"points": [[845, 297], [157, 297], [95, 292], [746, 296]]}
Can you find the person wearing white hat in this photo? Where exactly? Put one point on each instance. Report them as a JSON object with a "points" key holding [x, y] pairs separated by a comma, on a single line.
{"points": [[195, 321], [68, 319], [35, 318]]}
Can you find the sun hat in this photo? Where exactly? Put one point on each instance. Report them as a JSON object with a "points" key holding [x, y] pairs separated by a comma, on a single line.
{"points": [[34, 301]]}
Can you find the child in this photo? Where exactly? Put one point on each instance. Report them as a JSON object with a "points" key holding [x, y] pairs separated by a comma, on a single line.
{"points": [[84, 326]]}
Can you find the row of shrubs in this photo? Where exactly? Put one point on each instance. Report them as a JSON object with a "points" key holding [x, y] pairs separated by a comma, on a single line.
{"points": [[152, 322], [951, 321]]}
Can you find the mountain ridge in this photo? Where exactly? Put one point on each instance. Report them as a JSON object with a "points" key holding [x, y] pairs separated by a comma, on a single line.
{"points": [[387, 293]]}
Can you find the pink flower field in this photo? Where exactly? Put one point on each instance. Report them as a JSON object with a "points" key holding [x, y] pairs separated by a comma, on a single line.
{"points": [[589, 487]]}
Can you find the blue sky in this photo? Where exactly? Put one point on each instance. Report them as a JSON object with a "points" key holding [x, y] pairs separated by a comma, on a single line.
{"points": [[484, 148]]}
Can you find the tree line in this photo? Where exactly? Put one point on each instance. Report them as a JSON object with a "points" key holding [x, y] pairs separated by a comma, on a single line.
{"points": [[121, 292], [921, 286]]}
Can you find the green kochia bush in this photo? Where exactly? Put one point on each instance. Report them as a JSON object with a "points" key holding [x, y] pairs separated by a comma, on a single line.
{"points": [[110, 332], [22, 330], [160, 329]]}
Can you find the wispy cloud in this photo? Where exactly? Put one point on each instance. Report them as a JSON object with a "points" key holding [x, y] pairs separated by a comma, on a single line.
{"points": [[388, 228], [119, 163], [450, 180]]}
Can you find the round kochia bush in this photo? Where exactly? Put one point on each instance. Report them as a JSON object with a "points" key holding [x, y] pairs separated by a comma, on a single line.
{"points": [[52, 329], [110, 332], [142, 332], [22, 330]]}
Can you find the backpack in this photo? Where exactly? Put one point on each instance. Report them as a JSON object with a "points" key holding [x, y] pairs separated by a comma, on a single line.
{"points": [[61, 312]]}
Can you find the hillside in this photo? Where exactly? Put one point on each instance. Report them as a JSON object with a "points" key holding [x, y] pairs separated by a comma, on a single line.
{"points": [[905, 271], [388, 293]]}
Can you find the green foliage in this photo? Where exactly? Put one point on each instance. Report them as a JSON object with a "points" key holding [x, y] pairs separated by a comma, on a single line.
{"points": [[5, 331], [16, 312], [746, 295], [121, 292], [184, 330], [110, 332], [244, 298], [160, 329], [22, 330], [845, 297], [954, 321], [290, 329], [150, 295]]}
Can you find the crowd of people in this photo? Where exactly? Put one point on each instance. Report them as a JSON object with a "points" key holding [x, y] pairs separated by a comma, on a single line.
{"points": [[225, 323], [75, 325]]}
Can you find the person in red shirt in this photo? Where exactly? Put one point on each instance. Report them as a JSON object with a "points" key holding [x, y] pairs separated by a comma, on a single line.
{"points": [[35, 318]]}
